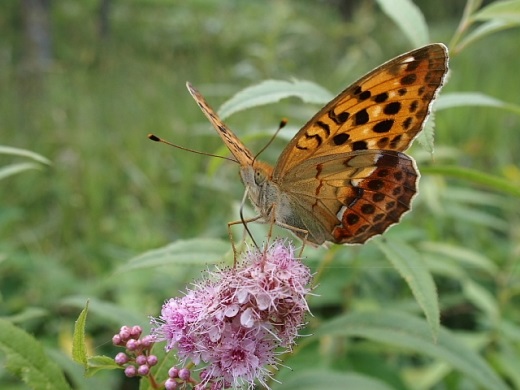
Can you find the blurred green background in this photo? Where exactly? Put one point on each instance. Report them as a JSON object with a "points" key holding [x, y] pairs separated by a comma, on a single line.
{"points": [[105, 73]]}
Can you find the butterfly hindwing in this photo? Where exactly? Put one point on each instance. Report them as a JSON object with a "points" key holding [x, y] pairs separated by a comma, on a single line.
{"points": [[357, 196]]}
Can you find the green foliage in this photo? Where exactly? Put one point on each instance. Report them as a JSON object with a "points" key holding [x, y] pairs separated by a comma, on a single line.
{"points": [[408, 332], [407, 261], [79, 346], [409, 18], [13, 169], [92, 364], [315, 379], [272, 91], [126, 224], [27, 359]]}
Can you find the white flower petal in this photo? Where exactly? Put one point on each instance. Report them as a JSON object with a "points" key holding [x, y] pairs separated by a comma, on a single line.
{"points": [[246, 318], [214, 334], [263, 301], [231, 310], [242, 296]]}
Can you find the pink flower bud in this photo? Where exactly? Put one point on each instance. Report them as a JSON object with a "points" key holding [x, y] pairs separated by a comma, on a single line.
{"points": [[121, 358]]}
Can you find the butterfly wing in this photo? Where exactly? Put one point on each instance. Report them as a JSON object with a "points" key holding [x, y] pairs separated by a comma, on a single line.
{"points": [[241, 153], [359, 195], [385, 109]]}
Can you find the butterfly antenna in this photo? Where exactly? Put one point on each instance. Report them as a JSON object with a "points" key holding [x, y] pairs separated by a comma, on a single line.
{"points": [[155, 138], [242, 218], [282, 124]]}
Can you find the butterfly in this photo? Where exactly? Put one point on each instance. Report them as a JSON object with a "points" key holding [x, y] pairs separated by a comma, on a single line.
{"points": [[344, 178]]}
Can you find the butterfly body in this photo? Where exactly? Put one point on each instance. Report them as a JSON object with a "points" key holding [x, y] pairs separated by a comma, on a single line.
{"points": [[344, 177]]}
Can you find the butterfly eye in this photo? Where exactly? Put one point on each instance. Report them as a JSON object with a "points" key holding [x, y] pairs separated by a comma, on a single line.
{"points": [[260, 177]]}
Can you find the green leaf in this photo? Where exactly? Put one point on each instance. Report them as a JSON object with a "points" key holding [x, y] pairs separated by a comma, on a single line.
{"points": [[272, 91], [508, 11], [484, 30], [507, 360], [99, 363], [330, 380], [510, 330], [24, 153], [412, 268], [28, 314], [493, 182], [487, 218], [408, 18], [79, 346], [482, 299], [460, 99], [13, 169], [411, 333], [183, 252], [465, 256], [27, 359], [426, 137]]}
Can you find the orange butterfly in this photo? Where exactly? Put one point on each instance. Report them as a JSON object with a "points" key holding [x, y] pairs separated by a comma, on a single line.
{"points": [[343, 177]]}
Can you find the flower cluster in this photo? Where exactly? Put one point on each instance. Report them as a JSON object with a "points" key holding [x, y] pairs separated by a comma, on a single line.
{"points": [[137, 359], [233, 322]]}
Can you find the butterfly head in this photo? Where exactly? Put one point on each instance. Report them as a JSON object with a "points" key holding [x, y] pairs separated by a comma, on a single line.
{"points": [[257, 177]]}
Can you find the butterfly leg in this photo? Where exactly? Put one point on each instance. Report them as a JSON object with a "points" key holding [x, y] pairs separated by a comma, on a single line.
{"points": [[243, 222], [302, 234]]}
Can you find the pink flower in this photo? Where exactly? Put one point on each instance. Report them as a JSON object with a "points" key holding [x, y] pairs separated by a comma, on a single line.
{"points": [[233, 321]]}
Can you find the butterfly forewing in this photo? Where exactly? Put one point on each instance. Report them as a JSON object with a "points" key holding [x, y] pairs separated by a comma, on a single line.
{"points": [[242, 154], [385, 109]]}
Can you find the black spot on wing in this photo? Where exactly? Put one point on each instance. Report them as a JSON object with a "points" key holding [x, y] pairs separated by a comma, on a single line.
{"points": [[325, 127], [392, 108], [409, 79], [382, 97], [359, 145], [341, 138], [338, 119], [383, 126], [361, 117]]}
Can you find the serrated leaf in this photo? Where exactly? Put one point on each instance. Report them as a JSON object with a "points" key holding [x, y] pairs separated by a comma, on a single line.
{"points": [[406, 331], [79, 346], [412, 268], [408, 18], [272, 91], [508, 10], [100, 363], [27, 359], [330, 380], [426, 136]]}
